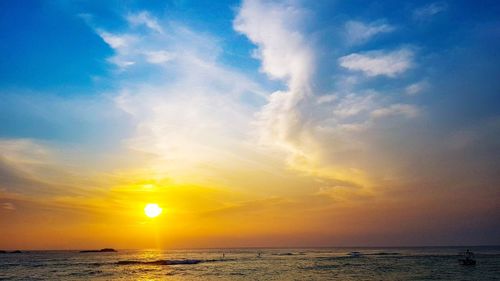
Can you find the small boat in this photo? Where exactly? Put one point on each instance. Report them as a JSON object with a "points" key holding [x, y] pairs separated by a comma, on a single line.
{"points": [[355, 254], [467, 258]]}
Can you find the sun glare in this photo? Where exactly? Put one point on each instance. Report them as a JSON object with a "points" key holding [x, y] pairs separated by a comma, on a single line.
{"points": [[152, 210]]}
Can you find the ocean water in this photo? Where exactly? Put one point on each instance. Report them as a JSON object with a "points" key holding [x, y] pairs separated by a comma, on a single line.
{"points": [[246, 264]]}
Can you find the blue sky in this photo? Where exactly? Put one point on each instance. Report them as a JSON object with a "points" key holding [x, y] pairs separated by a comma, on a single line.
{"points": [[335, 102]]}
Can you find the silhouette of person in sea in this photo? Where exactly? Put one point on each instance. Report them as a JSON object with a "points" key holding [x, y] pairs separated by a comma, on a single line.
{"points": [[468, 255], [468, 258]]}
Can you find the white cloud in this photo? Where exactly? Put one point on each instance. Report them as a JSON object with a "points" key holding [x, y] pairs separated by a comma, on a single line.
{"points": [[326, 99], [285, 55], [317, 131], [358, 32], [281, 48], [194, 122], [131, 48], [377, 63], [116, 41], [416, 88], [122, 44], [189, 117], [353, 104], [430, 10], [122, 64], [144, 18], [158, 57]]}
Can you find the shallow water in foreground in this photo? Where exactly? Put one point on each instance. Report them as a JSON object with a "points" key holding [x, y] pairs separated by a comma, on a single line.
{"points": [[245, 264]]}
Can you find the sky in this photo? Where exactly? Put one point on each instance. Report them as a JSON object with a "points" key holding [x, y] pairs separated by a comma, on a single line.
{"points": [[252, 123]]}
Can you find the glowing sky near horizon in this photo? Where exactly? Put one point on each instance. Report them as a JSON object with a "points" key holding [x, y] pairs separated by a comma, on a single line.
{"points": [[251, 123]]}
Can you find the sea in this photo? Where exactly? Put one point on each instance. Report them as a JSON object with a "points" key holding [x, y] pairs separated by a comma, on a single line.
{"points": [[429, 263]]}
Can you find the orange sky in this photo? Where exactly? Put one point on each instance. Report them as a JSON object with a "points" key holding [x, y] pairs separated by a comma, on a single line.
{"points": [[278, 125]]}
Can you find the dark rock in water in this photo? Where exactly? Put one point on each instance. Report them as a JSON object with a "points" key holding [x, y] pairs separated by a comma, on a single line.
{"points": [[170, 262], [284, 254], [11, 252], [160, 262], [385, 254], [105, 250]]}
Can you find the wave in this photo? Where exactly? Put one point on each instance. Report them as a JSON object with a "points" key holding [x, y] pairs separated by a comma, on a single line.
{"points": [[288, 254], [382, 254], [159, 262], [169, 262]]}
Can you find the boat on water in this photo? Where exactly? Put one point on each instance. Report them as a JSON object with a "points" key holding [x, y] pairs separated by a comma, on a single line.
{"points": [[355, 254], [467, 258]]}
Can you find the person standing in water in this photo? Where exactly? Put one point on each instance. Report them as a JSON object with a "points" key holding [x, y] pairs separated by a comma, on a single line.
{"points": [[469, 255]]}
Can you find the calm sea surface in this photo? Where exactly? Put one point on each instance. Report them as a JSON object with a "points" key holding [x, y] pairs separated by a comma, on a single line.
{"points": [[246, 264]]}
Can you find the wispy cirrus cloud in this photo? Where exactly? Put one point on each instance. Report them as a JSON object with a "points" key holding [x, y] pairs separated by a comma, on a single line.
{"points": [[405, 110], [7, 206], [416, 88], [159, 57], [144, 18], [129, 47], [429, 10], [358, 32], [189, 117]]}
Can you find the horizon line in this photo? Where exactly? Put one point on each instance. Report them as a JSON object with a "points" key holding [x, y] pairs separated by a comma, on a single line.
{"points": [[252, 247]]}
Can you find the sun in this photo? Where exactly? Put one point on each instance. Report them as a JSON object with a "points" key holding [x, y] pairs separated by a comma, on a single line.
{"points": [[152, 210]]}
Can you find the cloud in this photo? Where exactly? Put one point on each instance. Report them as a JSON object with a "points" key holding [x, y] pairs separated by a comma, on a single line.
{"points": [[31, 171], [353, 104], [123, 45], [429, 10], [379, 63], [416, 88], [358, 32], [117, 42], [133, 47], [285, 55], [406, 110], [192, 124], [129, 46], [294, 120], [158, 57], [328, 150], [188, 118], [317, 131], [281, 48], [7, 206], [326, 99], [144, 18]]}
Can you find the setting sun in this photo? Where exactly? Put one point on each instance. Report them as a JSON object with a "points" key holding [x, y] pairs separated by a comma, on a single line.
{"points": [[152, 210]]}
